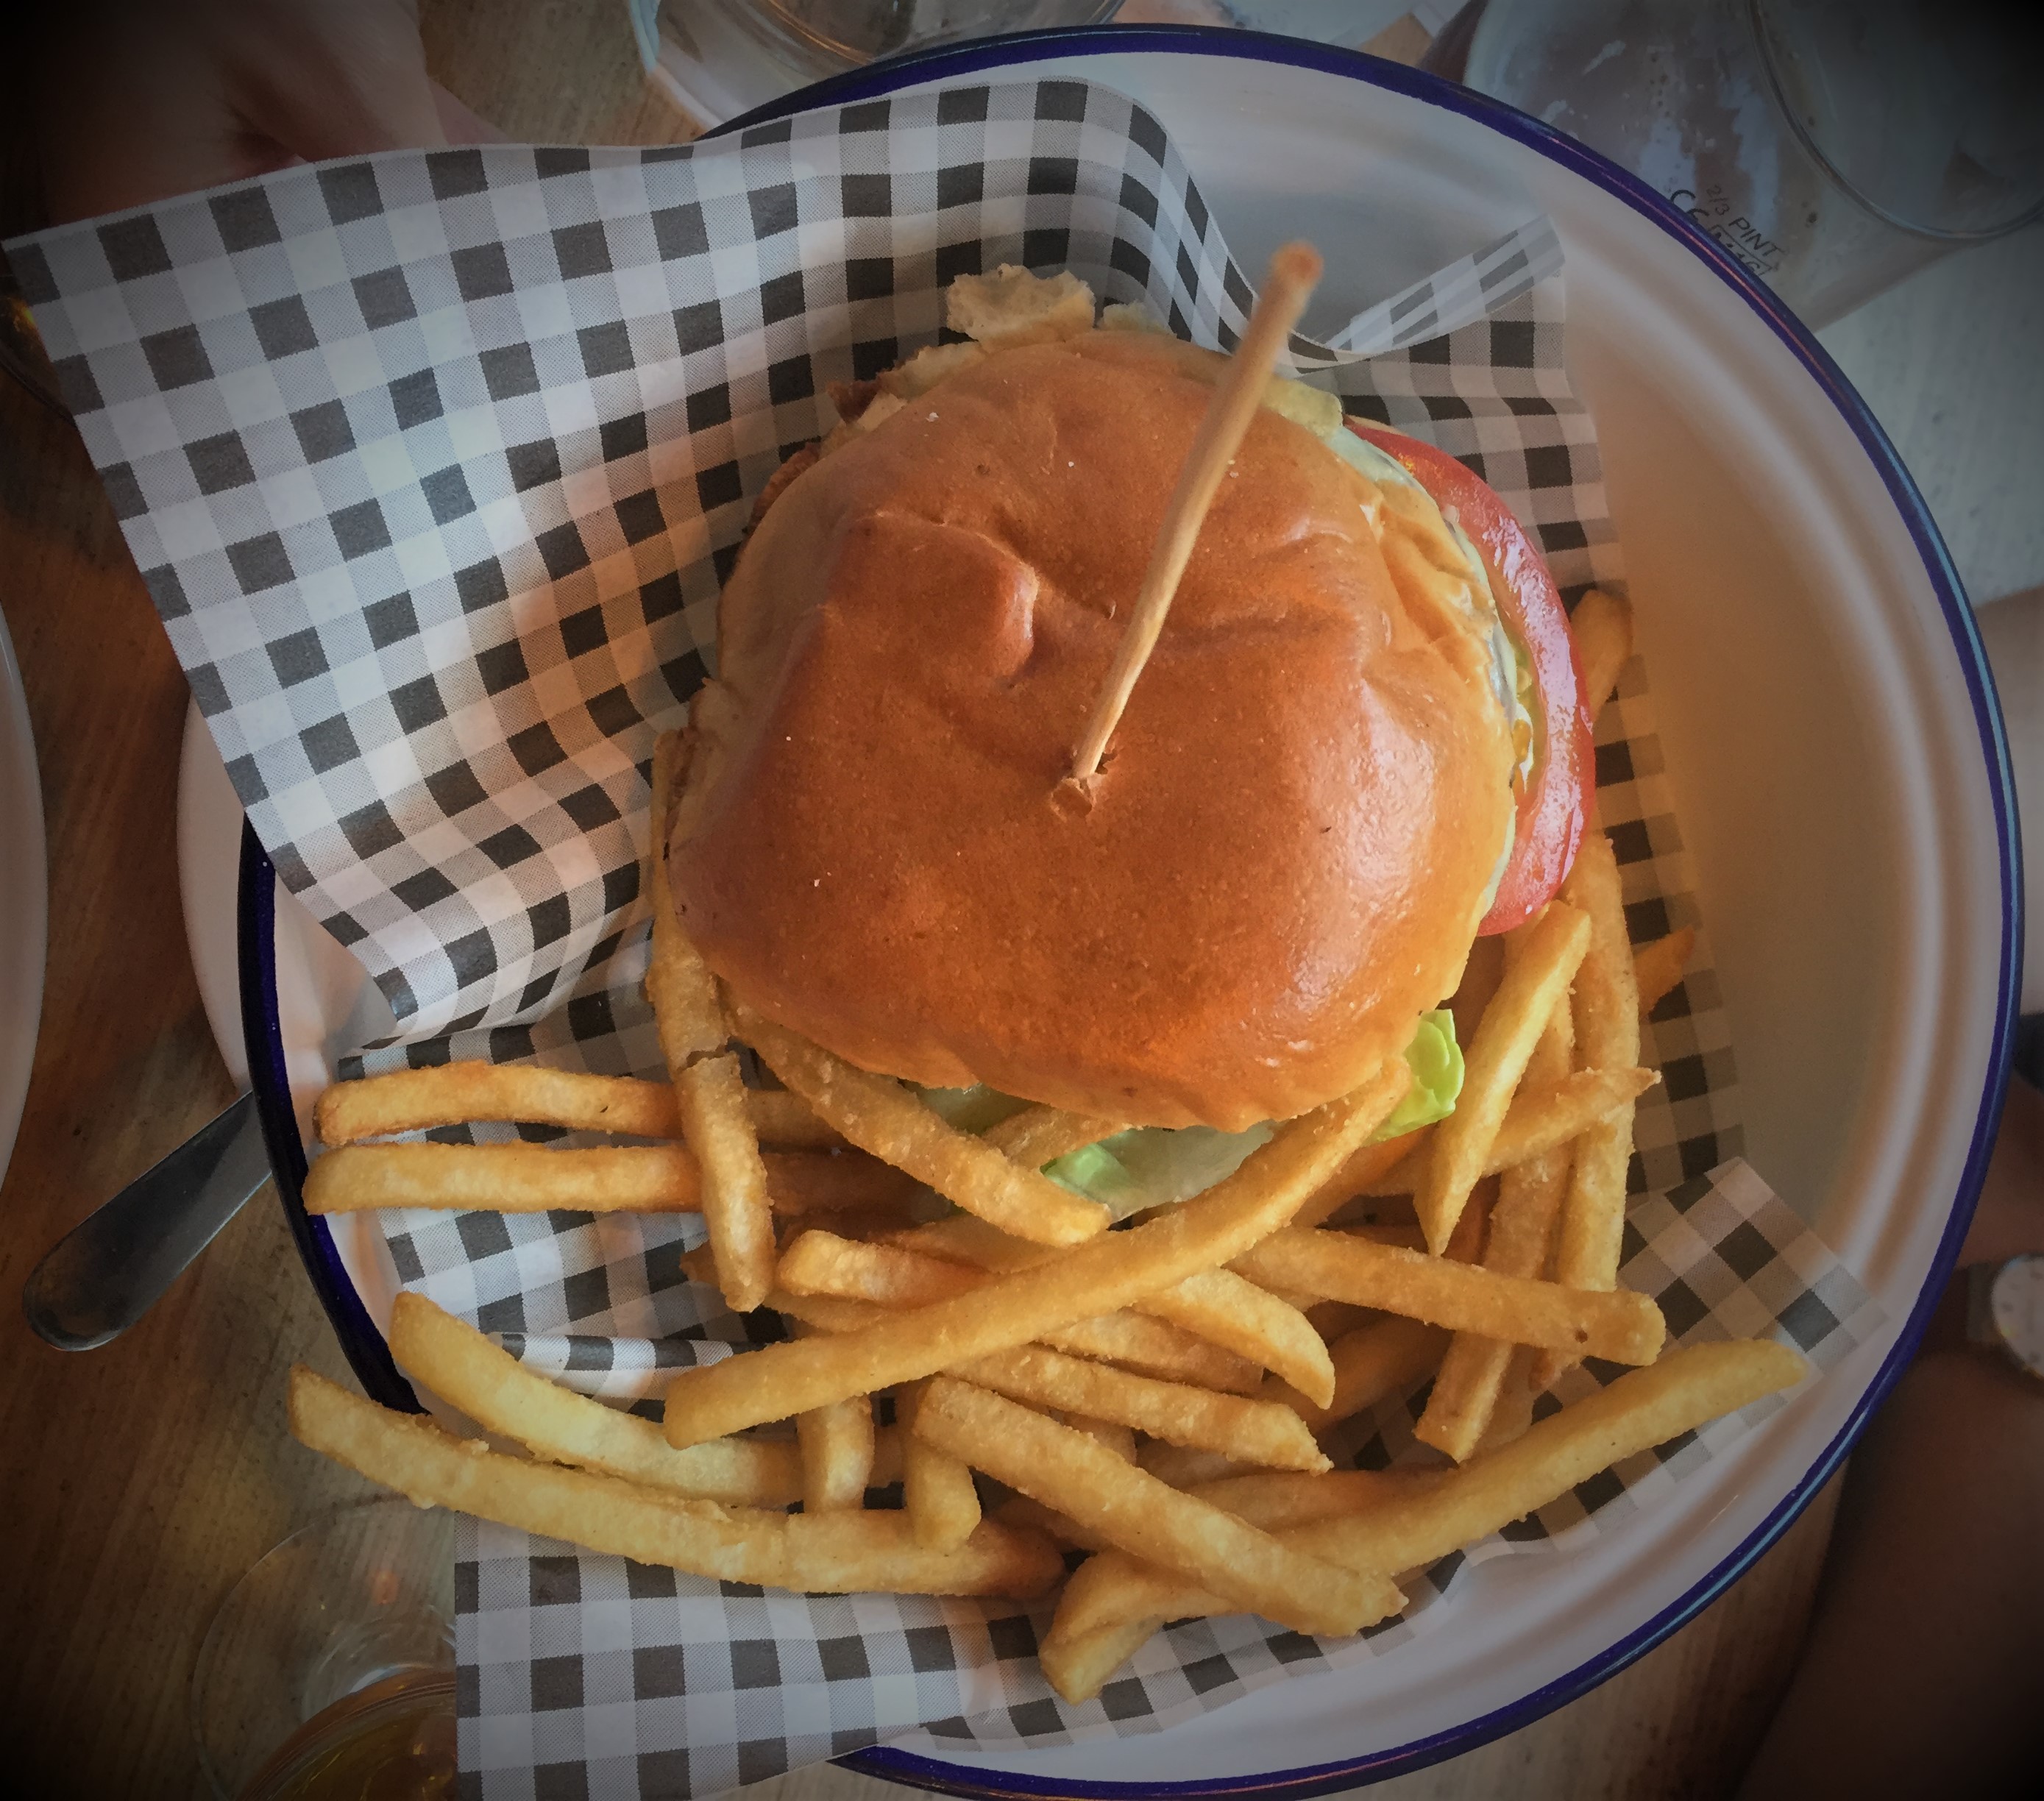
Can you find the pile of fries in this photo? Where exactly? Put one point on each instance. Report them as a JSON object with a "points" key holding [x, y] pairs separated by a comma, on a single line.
{"points": [[1155, 1397]]}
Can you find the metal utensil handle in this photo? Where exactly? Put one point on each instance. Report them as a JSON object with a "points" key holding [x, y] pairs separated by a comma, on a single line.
{"points": [[114, 1265]]}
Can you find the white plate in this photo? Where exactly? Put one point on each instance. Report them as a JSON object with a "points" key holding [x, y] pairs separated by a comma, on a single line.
{"points": [[23, 897], [1840, 778]]}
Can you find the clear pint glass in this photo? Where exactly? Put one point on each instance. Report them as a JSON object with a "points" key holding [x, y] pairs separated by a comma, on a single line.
{"points": [[1832, 147]]}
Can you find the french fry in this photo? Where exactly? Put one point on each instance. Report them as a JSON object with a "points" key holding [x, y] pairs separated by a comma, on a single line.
{"points": [[937, 1490], [1077, 1666], [1466, 1242], [422, 1460], [1248, 1431], [1274, 1499], [454, 1094], [878, 1114], [1152, 1347], [837, 1445], [1495, 1059], [854, 1227], [1100, 1276], [967, 1243], [1068, 1471], [1657, 968], [1298, 1301], [1224, 1309], [1606, 1025], [1185, 1468], [1369, 1166], [1404, 1238], [1115, 1588], [1408, 1528], [1038, 1134], [1642, 1408], [1541, 1117], [505, 1178], [686, 1009], [855, 1553], [1595, 1196], [959, 1238], [1552, 1114], [1607, 995], [1019, 1511], [1078, 1659], [1602, 626], [532, 1178], [828, 1313], [1513, 1413], [709, 1095], [1481, 1377], [1618, 1325], [735, 1203], [486, 1382], [1216, 1305], [1118, 1439], [821, 1263], [1385, 1358], [1472, 1377]]}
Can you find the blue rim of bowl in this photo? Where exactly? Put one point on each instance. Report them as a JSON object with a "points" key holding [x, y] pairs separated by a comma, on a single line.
{"points": [[262, 1037], [371, 1358]]}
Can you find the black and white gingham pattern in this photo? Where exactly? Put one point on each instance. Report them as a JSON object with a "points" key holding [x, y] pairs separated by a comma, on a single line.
{"points": [[1724, 1258], [1464, 292], [433, 463]]}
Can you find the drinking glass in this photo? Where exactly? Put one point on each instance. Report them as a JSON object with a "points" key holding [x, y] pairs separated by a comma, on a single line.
{"points": [[1831, 147], [328, 1670]]}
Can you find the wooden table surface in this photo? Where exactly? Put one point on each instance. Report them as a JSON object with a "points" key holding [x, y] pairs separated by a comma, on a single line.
{"points": [[136, 1482]]}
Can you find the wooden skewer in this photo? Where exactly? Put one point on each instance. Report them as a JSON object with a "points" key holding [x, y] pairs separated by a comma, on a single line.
{"points": [[1293, 271]]}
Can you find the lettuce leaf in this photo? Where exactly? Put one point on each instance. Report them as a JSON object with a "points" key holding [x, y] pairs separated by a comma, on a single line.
{"points": [[1435, 1061], [1151, 1166], [1094, 1171]]}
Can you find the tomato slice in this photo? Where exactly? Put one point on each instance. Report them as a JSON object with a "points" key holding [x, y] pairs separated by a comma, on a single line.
{"points": [[1554, 800]]}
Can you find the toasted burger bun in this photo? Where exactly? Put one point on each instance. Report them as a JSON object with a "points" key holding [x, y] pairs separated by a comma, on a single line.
{"points": [[1282, 864]]}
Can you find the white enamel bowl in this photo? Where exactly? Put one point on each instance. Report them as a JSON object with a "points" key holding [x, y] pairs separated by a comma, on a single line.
{"points": [[1834, 745]]}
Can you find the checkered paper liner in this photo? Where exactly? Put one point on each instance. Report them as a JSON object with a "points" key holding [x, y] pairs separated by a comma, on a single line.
{"points": [[433, 463]]}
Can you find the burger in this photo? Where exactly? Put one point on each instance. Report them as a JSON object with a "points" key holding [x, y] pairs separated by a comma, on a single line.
{"points": [[1359, 743]]}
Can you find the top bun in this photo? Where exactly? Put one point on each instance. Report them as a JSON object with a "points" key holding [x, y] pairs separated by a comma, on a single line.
{"points": [[1285, 859]]}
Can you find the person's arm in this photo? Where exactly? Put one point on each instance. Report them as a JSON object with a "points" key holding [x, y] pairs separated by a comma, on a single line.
{"points": [[137, 99], [1924, 1670]]}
